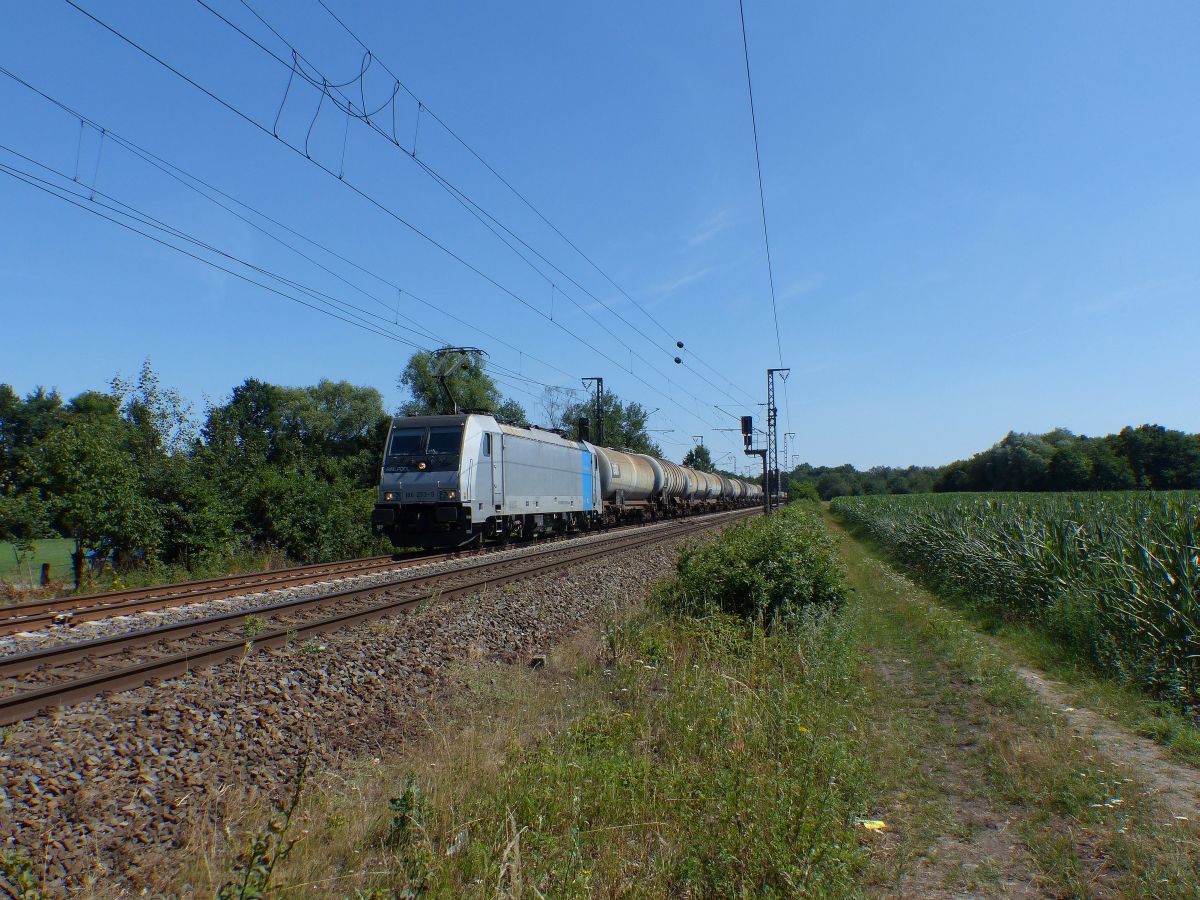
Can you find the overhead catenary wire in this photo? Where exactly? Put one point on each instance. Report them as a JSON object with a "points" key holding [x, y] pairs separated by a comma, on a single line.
{"points": [[762, 199], [88, 206], [191, 180], [424, 107], [489, 221], [762, 202], [366, 196], [482, 215], [145, 219], [110, 212]]}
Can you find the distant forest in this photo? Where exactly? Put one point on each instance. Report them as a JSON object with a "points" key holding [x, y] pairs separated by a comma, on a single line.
{"points": [[1148, 457]]}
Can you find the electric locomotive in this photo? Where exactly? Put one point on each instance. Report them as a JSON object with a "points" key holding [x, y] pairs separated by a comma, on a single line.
{"points": [[457, 480]]}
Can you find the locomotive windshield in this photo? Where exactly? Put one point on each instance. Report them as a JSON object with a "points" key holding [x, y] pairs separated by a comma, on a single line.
{"points": [[407, 441], [424, 449], [445, 440]]}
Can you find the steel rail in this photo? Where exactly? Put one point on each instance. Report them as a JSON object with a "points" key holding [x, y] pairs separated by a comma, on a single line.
{"points": [[22, 616], [239, 589], [36, 614], [18, 707], [108, 645]]}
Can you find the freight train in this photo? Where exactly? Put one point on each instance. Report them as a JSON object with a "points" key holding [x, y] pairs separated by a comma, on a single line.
{"points": [[460, 480]]}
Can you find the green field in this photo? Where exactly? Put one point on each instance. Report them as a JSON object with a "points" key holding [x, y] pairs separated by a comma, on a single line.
{"points": [[57, 552], [1113, 575]]}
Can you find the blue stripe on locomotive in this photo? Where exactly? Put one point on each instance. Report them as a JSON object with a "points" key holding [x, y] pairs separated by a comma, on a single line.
{"points": [[587, 480]]}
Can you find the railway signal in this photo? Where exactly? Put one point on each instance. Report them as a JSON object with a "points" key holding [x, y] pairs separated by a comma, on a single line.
{"points": [[748, 444]]}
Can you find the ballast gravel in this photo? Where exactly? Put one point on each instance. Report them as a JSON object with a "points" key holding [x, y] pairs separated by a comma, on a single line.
{"points": [[103, 797], [25, 641]]}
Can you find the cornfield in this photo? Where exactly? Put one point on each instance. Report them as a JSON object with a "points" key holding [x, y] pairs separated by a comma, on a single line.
{"points": [[1114, 574]]}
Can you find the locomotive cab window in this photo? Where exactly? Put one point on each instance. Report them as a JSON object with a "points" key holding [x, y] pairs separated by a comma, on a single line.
{"points": [[487, 444], [406, 441], [445, 441]]}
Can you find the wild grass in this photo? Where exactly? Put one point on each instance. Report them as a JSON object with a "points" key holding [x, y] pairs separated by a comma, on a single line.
{"points": [[700, 756], [670, 754]]}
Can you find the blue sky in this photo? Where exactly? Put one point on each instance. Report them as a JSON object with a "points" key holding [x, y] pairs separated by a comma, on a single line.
{"points": [[983, 216]]}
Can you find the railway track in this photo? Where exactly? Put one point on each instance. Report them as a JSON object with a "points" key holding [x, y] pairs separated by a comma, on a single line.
{"points": [[69, 673], [69, 610]]}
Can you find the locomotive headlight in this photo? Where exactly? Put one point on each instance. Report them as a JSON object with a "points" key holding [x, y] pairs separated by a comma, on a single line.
{"points": [[421, 466], [447, 495], [388, 495]]}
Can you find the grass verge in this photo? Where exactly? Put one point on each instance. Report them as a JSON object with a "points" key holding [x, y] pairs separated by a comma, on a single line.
{"points": [[684, 749], [685, 756]]}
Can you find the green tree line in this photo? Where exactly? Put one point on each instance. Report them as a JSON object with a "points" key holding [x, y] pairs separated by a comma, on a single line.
{"points": [[130, 475], [1146, 457], [127, 474]]}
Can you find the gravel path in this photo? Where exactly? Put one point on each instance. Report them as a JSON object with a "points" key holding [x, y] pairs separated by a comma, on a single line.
{"points": [[100, 795]]}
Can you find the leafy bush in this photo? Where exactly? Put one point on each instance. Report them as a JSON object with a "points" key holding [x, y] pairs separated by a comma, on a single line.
{"points": [[804, 490], [766, 570]]}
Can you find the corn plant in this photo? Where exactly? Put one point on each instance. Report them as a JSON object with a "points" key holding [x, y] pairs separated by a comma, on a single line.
{"points": [[1114, 574]]}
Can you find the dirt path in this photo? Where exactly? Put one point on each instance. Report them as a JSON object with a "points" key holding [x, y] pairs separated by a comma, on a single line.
{"points": [[977, 849], [1173, 786], [992, 785]]}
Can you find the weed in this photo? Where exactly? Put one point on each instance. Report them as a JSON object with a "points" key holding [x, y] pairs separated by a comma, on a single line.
{"points": [[408, 837], [18, 872], [253, 871], [253, 627]]}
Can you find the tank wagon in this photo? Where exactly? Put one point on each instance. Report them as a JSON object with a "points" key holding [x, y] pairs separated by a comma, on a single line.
{"points": [[450, 481]]}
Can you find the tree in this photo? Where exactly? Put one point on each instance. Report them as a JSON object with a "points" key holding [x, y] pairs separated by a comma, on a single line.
{"points": [[1110, 470], [832, 484], [464, 377], [161, 419], [25, 422], [1070, 469], [23, 519], [1160, 458], [512, 412], [556, 401], [469, 386], [699, 458], [624, 424], [96, 493], [199, 519]]}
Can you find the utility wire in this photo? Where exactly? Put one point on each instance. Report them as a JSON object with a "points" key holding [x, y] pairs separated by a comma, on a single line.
{"points": [[83, 203], [485, 218], [128, 211], [191, 180], [762, 202], [120, 208], [373, 201], [524, 199]]}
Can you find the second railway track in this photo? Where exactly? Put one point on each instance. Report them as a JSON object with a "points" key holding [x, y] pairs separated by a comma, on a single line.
{"points": [[36, 614], [69, 673]]}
